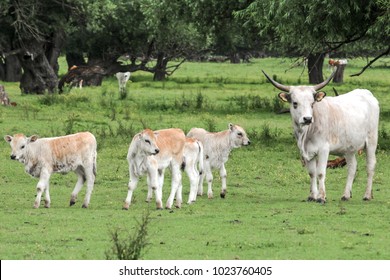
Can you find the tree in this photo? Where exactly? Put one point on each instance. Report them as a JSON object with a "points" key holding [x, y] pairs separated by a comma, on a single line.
{"points": [[312, 28], [32, 34], [151, 33], [226, 33]]}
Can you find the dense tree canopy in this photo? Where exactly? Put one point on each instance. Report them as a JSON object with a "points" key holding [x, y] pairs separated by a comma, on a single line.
{"points": [[312, 28], [151, 33]]}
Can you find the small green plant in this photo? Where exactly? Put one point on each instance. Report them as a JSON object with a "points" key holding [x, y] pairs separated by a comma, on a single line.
{"points": [[132, 246], [69, 123]]}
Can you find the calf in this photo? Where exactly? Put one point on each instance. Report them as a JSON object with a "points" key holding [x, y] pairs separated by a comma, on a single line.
{"points": [[44, 156], [152, 153], [217, 147], [123, 78]]}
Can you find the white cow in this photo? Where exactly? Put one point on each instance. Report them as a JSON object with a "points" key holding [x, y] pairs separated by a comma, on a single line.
{"points": [[340, 125], [44, 156], [168, 146], [123, 78], [217, 147]]}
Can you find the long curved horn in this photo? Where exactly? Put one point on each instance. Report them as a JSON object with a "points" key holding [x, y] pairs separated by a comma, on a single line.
{"points": [[276, 84], [324, 83]]}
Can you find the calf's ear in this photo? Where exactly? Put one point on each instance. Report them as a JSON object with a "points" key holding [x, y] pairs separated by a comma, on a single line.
{"points": [[319, 96], [285, 97], [32, 138], [231, 126], [8, 138]]}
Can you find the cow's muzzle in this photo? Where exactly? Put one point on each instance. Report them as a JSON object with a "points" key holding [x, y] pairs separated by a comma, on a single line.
{"points": [[156, 151], [13, 157], [307, 120]]}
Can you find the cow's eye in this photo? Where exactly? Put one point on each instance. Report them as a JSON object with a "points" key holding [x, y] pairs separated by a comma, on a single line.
{"points": [[22, 147], [239, 134], [147, 141], [295, 105]]}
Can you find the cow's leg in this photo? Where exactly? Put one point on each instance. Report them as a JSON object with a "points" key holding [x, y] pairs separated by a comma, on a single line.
{"points": [[209, 178], [80, 181], [311, 167], [131, 187], [200, 184], [176, 182], [223, 174], [193, 176], [371, 162], [351, 166], [42, 185], [47, 196], [90, 178], [321, 174], [155, 177]]}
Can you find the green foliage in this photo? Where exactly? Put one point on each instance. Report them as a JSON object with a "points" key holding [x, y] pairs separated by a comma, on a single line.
{"points": [[264, 215], [132, 246]]}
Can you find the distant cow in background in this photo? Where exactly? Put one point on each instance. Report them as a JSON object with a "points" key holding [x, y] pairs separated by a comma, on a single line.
{"points": [[123, 78], [44, 156], [217, 147], [340, 125]]}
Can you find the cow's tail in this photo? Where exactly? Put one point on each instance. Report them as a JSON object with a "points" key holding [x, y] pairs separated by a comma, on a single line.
{"points": [[200, 157], [94, 168]]}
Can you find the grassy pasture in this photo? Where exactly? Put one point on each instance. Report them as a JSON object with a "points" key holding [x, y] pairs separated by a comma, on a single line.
{"points": [[264, 215]]}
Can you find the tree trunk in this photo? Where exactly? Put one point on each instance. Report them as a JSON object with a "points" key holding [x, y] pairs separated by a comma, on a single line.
{"points": [[339, 75], [315, 63], [161, 66], [234, 58], [13, 69], [38, 76], [53, 49]]}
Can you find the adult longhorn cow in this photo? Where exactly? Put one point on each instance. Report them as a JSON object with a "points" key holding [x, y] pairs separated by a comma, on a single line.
{"points": [[340, 125]]}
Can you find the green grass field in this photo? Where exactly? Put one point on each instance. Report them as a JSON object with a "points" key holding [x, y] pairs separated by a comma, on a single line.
{"points": [[264, 215]]}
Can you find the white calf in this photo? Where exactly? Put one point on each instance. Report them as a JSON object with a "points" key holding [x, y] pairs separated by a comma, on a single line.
{"points": [[123, 78], [217, 147], [44, 156]]}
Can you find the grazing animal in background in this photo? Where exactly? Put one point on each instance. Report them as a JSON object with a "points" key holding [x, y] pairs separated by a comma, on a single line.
{"points": [[217, 147], [44, 156], [152, 152], [4, 99], [340, 125], [123, 78]]}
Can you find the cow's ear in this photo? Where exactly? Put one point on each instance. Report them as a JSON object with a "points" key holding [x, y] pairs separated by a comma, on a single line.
{"points": [[155, 133], [319, 96], [231, 126], [284, 96], [32, 138], [8, 138]]}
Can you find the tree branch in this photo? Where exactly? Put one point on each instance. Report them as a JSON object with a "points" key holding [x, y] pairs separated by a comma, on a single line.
{"points": [[371, 62]]}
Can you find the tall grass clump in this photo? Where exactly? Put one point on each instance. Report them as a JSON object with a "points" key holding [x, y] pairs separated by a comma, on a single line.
{"points": [[132, 246]]}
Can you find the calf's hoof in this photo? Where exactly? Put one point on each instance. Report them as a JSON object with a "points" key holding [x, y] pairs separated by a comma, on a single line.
{"points": [[72, 202], [126, 206], [223, 195], [84, 206], [366, 198]]}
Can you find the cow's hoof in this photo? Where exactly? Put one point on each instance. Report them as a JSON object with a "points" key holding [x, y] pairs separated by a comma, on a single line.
{"points": [[366, 198], [344, 198], [84, 206], [222, 195], [72, 202], [311, 199], [321, 200]]}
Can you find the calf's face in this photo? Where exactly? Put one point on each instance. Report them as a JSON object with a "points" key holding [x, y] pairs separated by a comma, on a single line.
{"points": [[147, 142], [18, 144], [238, 136]]}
